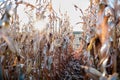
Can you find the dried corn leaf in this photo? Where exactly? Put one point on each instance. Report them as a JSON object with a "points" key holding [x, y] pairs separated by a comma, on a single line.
{"points": [[15, 62], [29, 67], [9, 41], [92, 71]]}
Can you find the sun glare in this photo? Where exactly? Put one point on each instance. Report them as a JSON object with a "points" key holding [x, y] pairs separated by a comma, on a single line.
{"points": [[57, 4]]}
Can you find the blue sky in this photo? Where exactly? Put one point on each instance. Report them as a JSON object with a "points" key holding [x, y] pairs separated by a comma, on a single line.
{"points": [[1, 0]]}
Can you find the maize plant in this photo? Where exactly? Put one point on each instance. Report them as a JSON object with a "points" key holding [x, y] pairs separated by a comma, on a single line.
{"points": [[36, 42], [101, 32], [30, 53]]}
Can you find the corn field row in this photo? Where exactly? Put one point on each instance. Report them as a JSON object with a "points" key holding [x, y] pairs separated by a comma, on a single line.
{"points": [[41, 46]]}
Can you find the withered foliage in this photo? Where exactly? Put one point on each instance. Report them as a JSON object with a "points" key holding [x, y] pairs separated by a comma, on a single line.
{"points": [[101, 32], [40, 48], [30, 54]]}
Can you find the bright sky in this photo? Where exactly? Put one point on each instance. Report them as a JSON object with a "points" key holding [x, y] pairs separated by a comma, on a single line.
{"points": [[64, 5], [68, 5]]}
